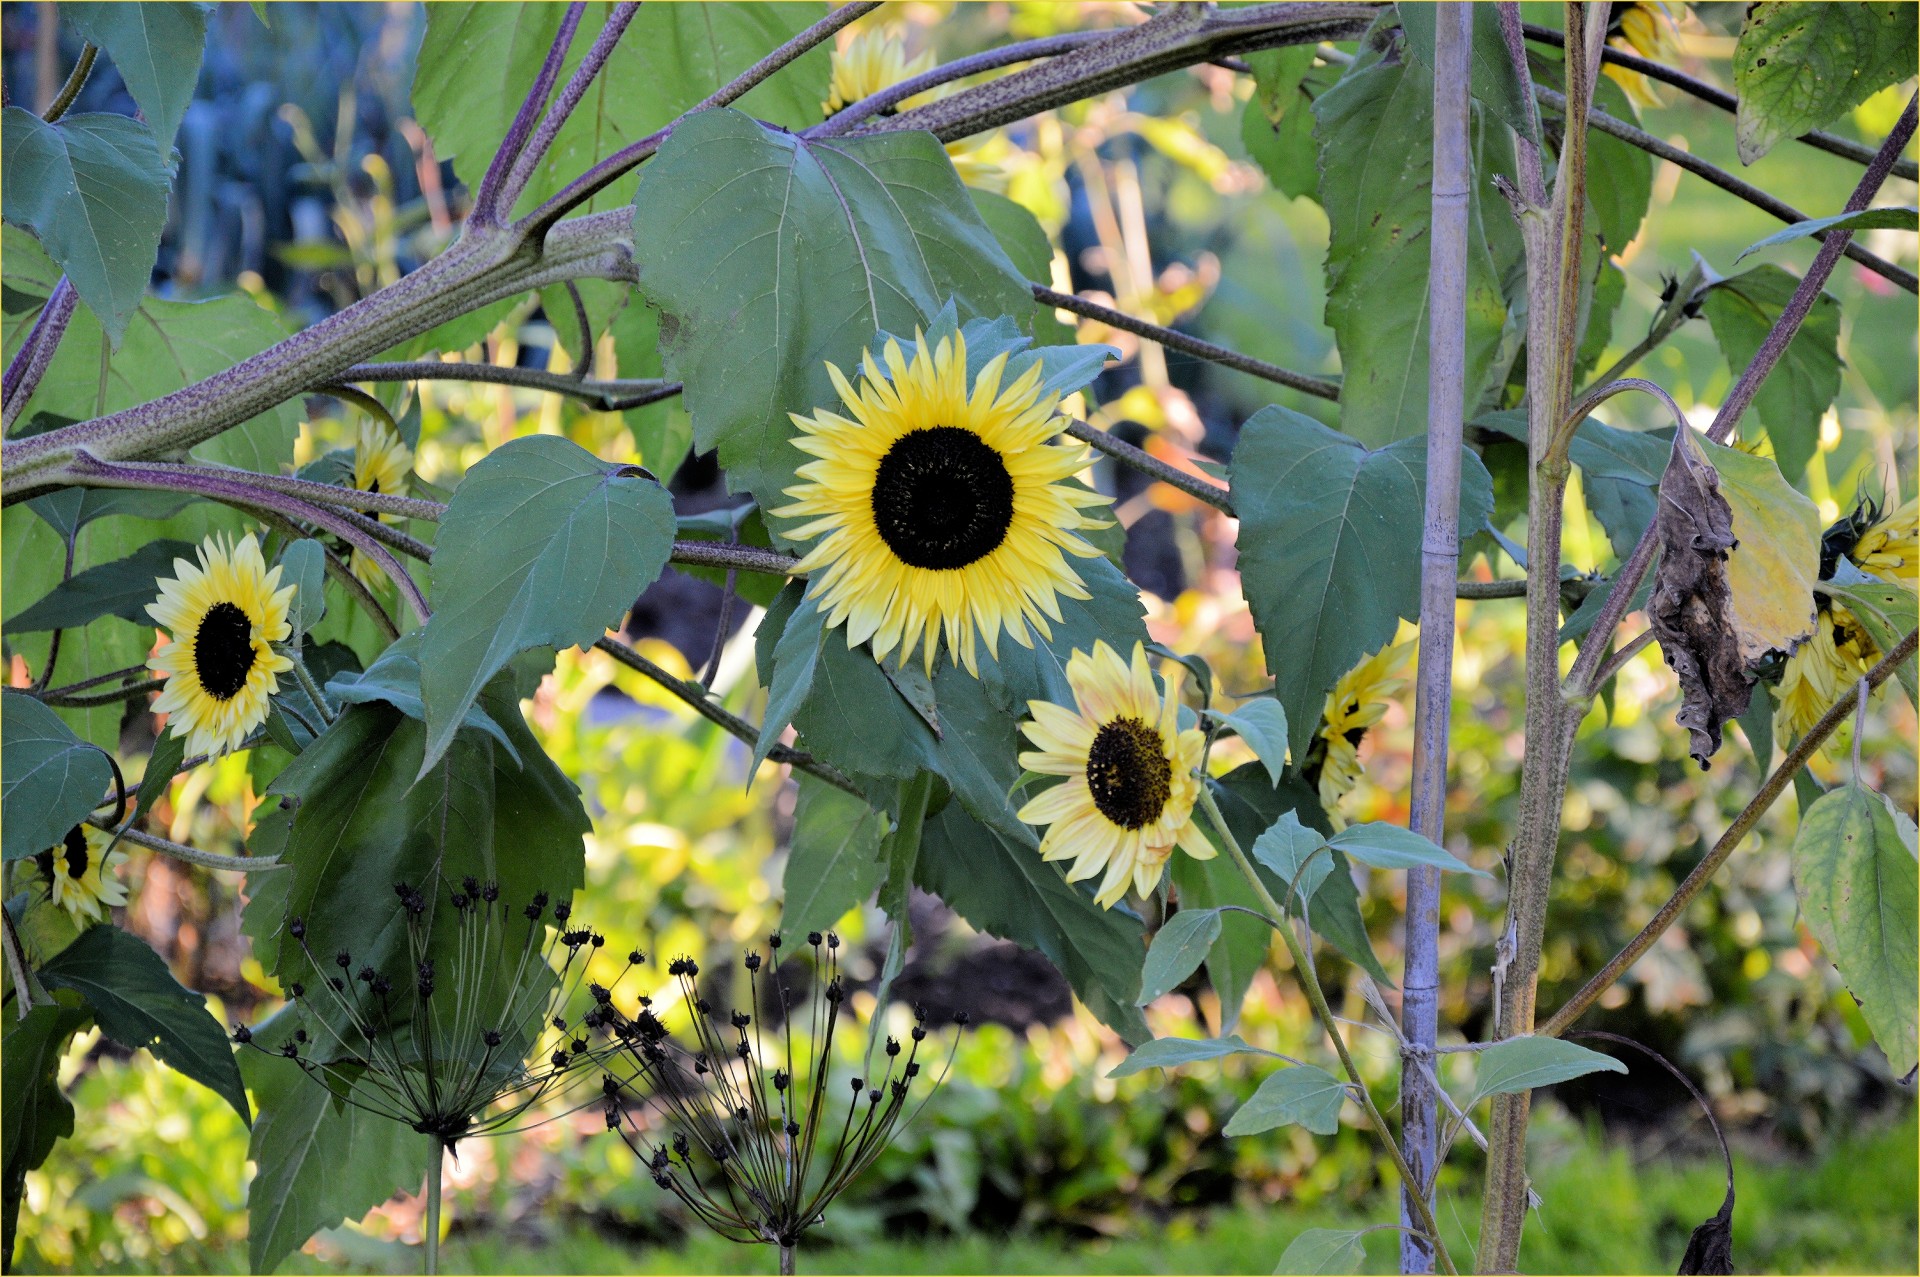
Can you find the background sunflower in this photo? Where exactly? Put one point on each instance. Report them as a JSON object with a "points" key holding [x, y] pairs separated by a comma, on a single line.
{"points": [[380, 464], [79, 873]]}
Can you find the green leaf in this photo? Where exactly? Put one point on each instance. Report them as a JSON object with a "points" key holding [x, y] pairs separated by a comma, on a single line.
{"points": [[1177, 950], [1262, 724], [93, 188], [1490, 79], [319, 1162], [542, 545], [394, 678], [1277, 125], [1300, 1094], [1387, 846], [1169, 1053], [477, 61], [1330, 548], [304, 566], [1374, 129], [1867, 219], [1798, 66], [795, 658], [1775, 564], [138, 1004], [1241, 949], [70, 509], [1522, 1064], [121, 588], [1802, 386], [169, 751], [1325, 1250], [1009, 892], [1031, 252], [49, 778], [834, 241], [1619, 174], [156, 48], [1288, 848], [1859, 887], [834, 861], [1888, 612], [34, 1113]]}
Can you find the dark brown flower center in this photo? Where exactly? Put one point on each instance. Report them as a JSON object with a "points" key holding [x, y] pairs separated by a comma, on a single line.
{"points": [[223, 651], [942, 498], [1128, 773], [74, 850]]}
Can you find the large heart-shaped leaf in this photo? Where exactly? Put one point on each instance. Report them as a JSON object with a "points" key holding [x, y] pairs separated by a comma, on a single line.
{"points": [[542, 545], [1859, 887], [1798, 65], [831, 242], [156, 47], [49, 778], [834, 861], [1330, 548], [93, 187], [1801, 387]]}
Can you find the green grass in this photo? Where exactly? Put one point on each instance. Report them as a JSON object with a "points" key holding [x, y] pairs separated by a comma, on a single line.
{"points": [[1851, 1211]]}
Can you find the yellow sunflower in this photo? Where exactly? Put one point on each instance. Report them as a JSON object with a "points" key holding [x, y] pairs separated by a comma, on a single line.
{"points": [[224, 614], [1890, 547], [1131, 780], [380, 464], [1357, 702], [1832, 659], [80, 875], [938, 509], [872, 61], [1649, 29]]}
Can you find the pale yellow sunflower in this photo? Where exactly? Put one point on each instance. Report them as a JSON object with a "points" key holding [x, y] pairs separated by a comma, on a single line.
{"points": [[1832, 659], [380, 464], [80, 876], [224, 614], [1890, 547], [1357, 702], [939, 510], [1131, 774], [872, 61], [1648, 28]]}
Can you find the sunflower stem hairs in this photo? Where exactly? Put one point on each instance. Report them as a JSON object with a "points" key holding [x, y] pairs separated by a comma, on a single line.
{"points": [[224, 614], [941, 510], [1132, 774], [761, 1109]]}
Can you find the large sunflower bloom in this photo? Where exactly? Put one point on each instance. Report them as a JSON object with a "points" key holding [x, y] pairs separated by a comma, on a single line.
{"points": [[224, 615], [872, 61], [1357, 702], [939, 510], [380, 464], [80, 874], [1130, 786]]}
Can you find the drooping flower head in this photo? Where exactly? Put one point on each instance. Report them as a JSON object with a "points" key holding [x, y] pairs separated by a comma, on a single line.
{"points": [[1889, 547], [1357, 702], [380, 464], [756, 1098], [1650, 29], [873, 60], [224, 614], [1131, 784], [940, 510], [79, 874]]}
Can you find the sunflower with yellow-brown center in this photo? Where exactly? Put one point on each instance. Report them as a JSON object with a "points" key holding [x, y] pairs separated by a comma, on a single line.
{"points": [[224, 615], [1131, 774], [79, 874], [941, 510]]}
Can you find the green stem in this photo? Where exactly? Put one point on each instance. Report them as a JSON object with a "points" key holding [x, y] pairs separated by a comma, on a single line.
{"points": [[312, 689], [71, 89], [437, 1153], [1303, 972]]}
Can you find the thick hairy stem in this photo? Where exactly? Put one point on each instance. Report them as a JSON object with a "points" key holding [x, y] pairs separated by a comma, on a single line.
{"points": [[563, 106], [1180, 341], [30, 362], [606, 395], [703, 704], [1696, 882], [487, 210], [1439, 564], [1716, 96], [787, 1268], [1734, 186], [856, 113], [1276, 917], [1553, 245]]}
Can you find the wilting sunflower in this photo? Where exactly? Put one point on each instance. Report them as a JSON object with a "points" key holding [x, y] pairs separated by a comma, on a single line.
{"points": [[1832, 659], [872, 61], [937, 509], [1889, 547], [1357, 702], [224, 615], [380, 464], [79, 874], [1130, 786]]}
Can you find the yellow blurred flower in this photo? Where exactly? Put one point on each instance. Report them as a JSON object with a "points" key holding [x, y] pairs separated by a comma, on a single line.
{"points": [[1819, 670], [1357, 702], [872, 61], [1890, 547], [380, 464], [80, 876], [1648, 28]]}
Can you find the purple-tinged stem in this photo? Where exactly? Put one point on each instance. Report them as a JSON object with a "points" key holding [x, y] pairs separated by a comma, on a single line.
{"points": [[856, 113], [486, 201], [31, 361], [563, 106]]}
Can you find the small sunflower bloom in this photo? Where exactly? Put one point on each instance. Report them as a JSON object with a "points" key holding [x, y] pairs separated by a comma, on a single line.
{"points": [[1890, 547], [939, 510], [872, 61], [80, 877], [380, 464], [1131, 774], [1358, 701], [224, 614], [1832, 659]]}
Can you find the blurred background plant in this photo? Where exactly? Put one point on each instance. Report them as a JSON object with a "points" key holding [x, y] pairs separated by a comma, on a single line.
{"points": [[305, 183]]}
